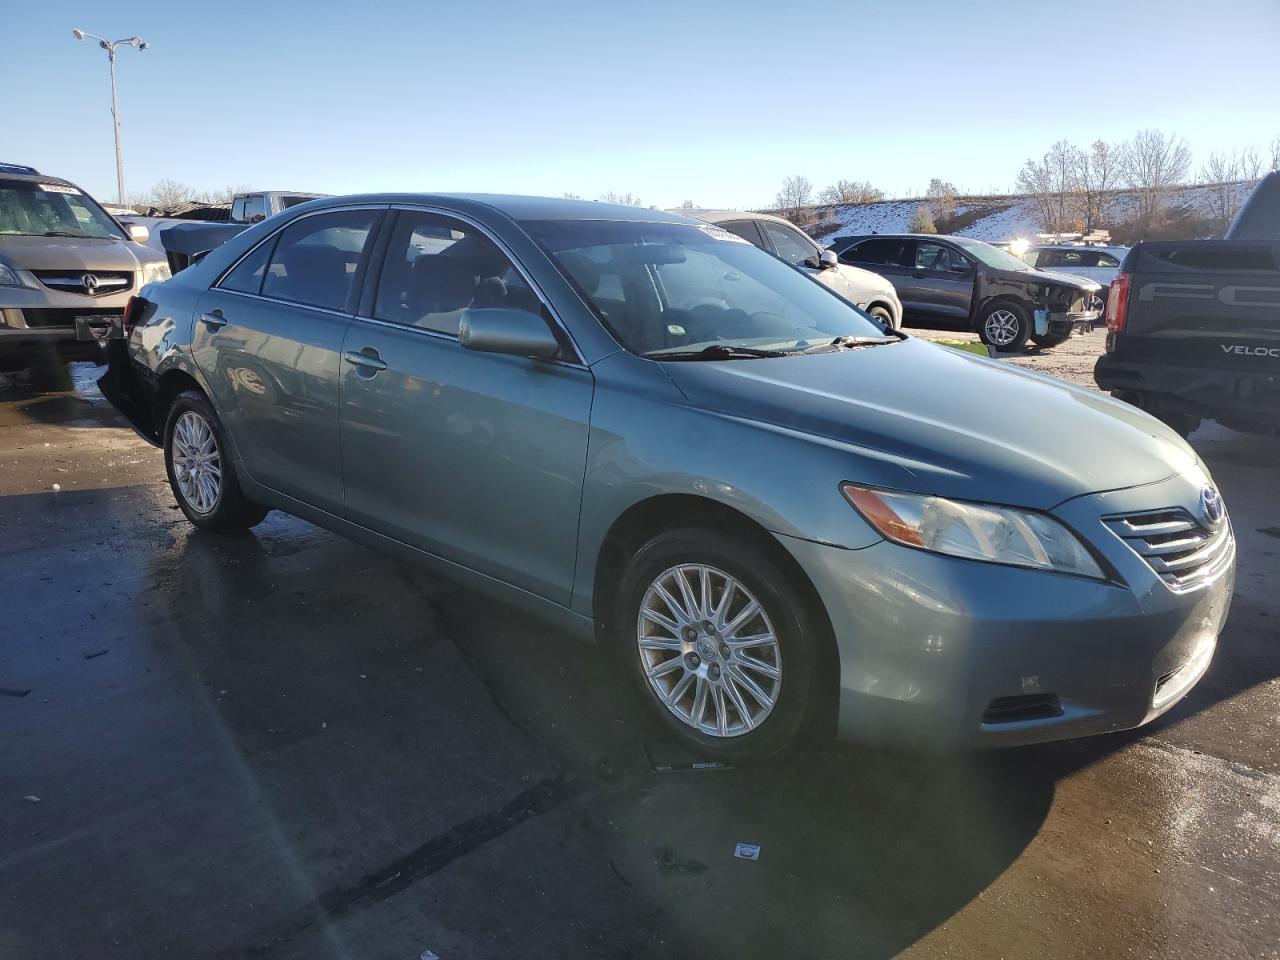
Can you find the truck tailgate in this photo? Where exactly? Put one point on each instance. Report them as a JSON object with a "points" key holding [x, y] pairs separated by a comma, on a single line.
{"points": [[1214, 304]]}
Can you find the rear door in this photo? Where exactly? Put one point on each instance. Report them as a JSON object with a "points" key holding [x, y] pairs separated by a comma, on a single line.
{"points": [[891, 257], [474, 457], [268, 338], [798, 250]]}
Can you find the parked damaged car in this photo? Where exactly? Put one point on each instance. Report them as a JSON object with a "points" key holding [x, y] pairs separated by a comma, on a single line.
{"points": [[780, 518], [954, 281]]}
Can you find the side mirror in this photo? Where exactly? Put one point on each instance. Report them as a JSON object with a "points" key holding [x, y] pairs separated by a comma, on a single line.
{"points": [[963, 269], [507, 330], [827, 260], [137, 232]]}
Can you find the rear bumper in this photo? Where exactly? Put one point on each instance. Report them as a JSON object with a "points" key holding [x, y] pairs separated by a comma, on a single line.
{"points": [[1248, 400], [941, 654]]}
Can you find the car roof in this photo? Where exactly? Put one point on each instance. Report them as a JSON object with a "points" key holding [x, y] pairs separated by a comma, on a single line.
{"points": [[724, 216], [516, 207], [37, 178], [1078, 246]]}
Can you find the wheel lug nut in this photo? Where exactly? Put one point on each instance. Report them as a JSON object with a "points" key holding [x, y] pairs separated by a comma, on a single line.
{"points": [[692, 661], [690, 634], [714, 671], [724, 651]]}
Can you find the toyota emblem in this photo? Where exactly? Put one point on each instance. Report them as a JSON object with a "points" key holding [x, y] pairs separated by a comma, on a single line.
{"points": [[89, 282], [1211, 505]]}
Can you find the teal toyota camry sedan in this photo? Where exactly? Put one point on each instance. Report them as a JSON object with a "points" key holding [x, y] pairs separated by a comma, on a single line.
{"points": [[780, 517]]}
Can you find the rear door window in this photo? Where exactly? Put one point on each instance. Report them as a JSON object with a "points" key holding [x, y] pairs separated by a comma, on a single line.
{"points": [[881, 251], [316, 258], [248, 273], [746, 229]]}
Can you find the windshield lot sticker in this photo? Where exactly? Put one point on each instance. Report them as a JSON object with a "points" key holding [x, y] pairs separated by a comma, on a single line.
{"points": [[56, 188], [719, 233]]}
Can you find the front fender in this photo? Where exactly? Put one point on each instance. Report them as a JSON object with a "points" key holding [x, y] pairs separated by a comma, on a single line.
{"points": [[646, 441]]}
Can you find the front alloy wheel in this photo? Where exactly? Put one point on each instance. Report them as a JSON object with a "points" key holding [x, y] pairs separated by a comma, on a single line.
{"points": [[709, 650], [1001, 327]]}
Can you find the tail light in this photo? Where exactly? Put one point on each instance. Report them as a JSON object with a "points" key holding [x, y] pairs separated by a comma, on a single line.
{"points": [[1118, 303], [132, 313]]}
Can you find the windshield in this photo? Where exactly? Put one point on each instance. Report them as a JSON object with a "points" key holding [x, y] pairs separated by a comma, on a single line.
{"points": [[665, 288], [991, 256], [51, 209]]}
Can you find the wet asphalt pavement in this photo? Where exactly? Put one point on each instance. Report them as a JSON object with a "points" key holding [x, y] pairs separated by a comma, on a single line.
{"points": [[287, 745]]}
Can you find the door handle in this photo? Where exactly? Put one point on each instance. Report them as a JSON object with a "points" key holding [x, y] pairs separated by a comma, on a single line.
{"points": [[370, 361], [213, 320]]}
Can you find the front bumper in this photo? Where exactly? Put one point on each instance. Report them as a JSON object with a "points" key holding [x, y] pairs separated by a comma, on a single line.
{"points": [[47, 324], [934, 649]]}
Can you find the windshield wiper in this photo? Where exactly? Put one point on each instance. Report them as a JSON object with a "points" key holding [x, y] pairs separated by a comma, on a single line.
{"points": [[68, 233], [840, 342], [717, 351]]}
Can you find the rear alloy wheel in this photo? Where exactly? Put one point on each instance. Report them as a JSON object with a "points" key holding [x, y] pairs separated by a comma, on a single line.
{"points": [[201, 474], [719, 643], [1004, 326]]}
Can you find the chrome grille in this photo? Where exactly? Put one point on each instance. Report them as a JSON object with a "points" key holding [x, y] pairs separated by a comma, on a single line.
{"points": [[1183, 551], [72, 281]]}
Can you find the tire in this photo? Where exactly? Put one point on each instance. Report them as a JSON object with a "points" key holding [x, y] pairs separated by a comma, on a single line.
{"points": [[1049, 340], [713, 722], [1004, 326], [208, 492], [883, 315]]}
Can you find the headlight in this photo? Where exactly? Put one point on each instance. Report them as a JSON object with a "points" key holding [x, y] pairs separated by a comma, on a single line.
{"points": [[8, 278], [1020, 538], [155, 272]]}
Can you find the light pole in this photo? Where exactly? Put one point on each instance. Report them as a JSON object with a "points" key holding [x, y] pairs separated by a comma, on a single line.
{"points": [[110, 47]]}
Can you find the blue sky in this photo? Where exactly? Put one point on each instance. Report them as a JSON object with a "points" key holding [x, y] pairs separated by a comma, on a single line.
{"points": [[714, 102]]}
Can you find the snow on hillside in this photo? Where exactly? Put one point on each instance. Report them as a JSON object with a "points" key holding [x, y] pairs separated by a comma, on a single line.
{"points": [[998, 218]]}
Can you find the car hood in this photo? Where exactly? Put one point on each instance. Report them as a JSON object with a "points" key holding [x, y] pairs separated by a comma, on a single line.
{"points": [[956, 424], [1062, 279], [70, 253]]}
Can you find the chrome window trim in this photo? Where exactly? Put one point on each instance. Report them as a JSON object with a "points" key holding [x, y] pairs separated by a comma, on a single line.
{"points": [[577, 361], [286, 303]]}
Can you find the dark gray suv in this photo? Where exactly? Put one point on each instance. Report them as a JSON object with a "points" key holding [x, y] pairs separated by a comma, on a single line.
{"points": [[958, 282]]}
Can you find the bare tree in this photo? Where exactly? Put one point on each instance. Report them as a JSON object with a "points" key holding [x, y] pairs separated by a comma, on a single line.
{"points": [[571, 196], [688, 205], [626, 199], [942, 199], [1219, 175], [851, 191], [1152, 163], [921, 221], [1062, 161], [1275, 153], [795, 195], [1250, 164], [1035, 179], [1095, 177], [167, 194]]}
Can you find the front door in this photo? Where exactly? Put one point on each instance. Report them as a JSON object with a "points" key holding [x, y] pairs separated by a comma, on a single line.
{"points": [[474, 457], [268, 339], [941, 283]]}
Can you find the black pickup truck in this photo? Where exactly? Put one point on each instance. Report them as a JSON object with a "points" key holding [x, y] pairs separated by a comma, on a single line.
{"points": [[1193, 327]]}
